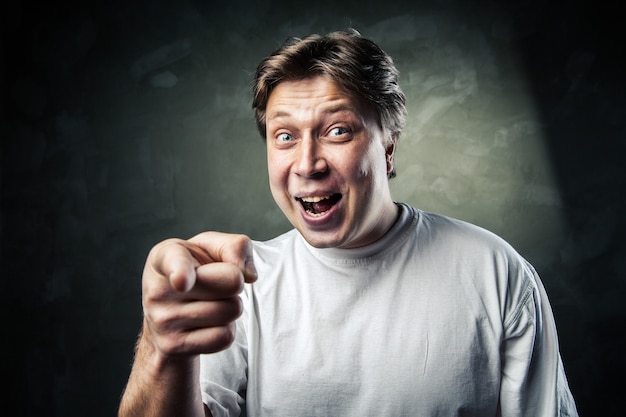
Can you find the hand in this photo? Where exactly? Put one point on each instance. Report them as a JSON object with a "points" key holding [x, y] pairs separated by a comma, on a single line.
{"points": [[191, 292]]}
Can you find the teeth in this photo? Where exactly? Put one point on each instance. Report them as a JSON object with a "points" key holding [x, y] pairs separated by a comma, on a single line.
{"points": [[314, 199]]}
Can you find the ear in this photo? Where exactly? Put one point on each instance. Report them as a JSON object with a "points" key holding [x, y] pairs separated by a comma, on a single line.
{"points": [[389, 154]]}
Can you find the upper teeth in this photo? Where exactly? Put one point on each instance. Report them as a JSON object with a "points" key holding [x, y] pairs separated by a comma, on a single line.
{"points": [[314, 199]]}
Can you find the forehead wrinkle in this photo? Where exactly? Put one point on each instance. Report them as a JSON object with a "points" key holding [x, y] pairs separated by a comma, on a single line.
{"points": [[332, 108], [308, 100]]}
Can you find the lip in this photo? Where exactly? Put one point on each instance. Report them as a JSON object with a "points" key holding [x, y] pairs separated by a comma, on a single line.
{"points": [[318, 221]]}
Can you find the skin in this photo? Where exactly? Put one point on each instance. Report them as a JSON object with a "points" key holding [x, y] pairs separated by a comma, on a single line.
{"points": [[321, 142], [191, 300]]}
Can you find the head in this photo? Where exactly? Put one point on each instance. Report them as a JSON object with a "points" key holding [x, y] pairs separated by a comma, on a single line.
{"points": [[356, 64], [330, 110]]}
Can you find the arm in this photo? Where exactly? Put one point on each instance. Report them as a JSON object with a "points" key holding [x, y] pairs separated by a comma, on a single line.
{"points": [[190, 299], [533, 379], [160, 386]]}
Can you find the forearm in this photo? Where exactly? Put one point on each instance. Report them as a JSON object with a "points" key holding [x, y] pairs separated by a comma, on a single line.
{"points": [[161, 386]]}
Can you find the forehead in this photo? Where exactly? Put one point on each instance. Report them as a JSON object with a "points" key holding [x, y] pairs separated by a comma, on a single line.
{"points": [[319, 92]]}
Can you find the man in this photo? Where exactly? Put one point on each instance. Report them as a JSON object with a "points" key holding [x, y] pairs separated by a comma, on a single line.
{"points": [[367, 307]]}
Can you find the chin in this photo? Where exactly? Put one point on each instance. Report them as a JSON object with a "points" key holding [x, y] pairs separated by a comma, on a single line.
{"points": [[321, 242]]}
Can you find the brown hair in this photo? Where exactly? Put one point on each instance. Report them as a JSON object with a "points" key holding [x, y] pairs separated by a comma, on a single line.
{"points": [[357, 64]]}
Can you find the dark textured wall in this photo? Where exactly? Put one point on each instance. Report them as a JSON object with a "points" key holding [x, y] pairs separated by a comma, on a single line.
{"points": [[129, 122]]}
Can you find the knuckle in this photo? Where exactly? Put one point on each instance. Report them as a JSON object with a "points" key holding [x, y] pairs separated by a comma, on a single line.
{"points": [[170, 345], [238, 307], [224, 312], [163, 245], [232, 279], [231, 309], [237, 244], [224, 336], [237, 282], [244, 244], [160, 320], [242, 240]]}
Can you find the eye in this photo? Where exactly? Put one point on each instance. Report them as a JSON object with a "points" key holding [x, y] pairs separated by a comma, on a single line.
{"points": [[338, 131], [284, 137]]}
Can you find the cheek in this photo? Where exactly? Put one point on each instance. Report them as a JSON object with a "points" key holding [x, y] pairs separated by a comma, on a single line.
{"points": [[276, 185], [368, 163], [278, 189], [371, 162], [273, 165], [278, 172]]}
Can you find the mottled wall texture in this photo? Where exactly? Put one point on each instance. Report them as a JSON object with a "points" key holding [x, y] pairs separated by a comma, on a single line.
{"points": [[127, 122]]}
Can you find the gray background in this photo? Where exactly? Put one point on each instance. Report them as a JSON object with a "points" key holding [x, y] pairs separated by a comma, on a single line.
{"points": [[125, 123]]}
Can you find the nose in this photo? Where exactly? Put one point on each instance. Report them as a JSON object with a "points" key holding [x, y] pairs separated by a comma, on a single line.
{"points": [[310, 159]]}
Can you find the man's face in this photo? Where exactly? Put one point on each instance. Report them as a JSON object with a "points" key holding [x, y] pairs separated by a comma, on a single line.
{"points": [[327, 164]]}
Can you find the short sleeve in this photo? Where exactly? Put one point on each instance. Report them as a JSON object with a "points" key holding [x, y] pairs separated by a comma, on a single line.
{"points": [[533, 379], [223, 376]]}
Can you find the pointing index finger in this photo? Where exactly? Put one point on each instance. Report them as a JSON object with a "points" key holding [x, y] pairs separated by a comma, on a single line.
{"points": [[176, 261]]}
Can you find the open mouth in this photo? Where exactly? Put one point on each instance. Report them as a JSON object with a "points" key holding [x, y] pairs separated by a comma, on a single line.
{"points": [[318, 205]]}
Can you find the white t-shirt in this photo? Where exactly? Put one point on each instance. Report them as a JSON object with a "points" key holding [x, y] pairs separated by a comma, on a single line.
{"points": [[437, 318]]}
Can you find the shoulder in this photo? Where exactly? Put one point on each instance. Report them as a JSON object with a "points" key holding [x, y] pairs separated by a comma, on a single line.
{"points": [[460, 235], [479, 260], [473, 249]]}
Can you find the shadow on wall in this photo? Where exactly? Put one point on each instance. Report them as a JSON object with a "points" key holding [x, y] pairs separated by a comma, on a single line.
{"points": [[576, 75], [127, 123], [516, 124]]}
